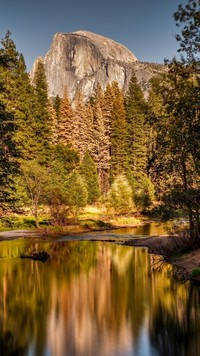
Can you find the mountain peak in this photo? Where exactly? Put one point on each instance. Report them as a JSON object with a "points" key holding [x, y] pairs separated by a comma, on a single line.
{"points": [[82, 59]]}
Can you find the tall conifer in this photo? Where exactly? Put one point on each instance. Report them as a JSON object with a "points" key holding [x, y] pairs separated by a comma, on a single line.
{"points": [[80, 126], [18, 97], [89, 173], [119, 138], [65, 122], [102, 140], [42, 119], [135, 111]]}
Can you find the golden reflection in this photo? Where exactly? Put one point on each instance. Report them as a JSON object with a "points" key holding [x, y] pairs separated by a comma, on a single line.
{"points": [[93, 299]]}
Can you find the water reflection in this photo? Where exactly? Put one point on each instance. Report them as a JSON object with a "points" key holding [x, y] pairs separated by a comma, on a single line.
{"points": [[151, 229], [93, 299]]}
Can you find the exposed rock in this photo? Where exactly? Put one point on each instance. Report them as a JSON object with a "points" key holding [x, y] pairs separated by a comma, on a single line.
{"points": [[82, 59]]}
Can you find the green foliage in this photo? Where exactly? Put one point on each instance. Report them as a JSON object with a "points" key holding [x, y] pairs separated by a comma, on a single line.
{"points": [[16, 222], [65, 119], [89, 173], [63, 161], [118, 133], [77, 193], [57, 200], [135, 111], [195, 272], [65, 156], [143, 192], [42, 118], [119, 197], [91, 224], [188, 18], [8, 149], [34, 178], [102, 139]]}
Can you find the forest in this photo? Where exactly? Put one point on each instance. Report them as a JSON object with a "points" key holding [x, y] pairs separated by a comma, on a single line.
{"points": [[120, 150]]}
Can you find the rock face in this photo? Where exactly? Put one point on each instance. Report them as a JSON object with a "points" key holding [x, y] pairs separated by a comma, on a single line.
{"points": [[82, 59]]}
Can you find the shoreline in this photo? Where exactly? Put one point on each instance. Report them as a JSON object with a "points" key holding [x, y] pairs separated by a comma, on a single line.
{"points": [[184, 262]]}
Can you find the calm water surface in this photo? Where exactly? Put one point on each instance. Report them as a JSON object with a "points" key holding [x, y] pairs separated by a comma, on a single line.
{"points": [[94, 299]]}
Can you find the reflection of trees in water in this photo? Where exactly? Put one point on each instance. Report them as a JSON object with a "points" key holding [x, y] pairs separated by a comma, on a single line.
{"points": [[25, 288], [94, 296], [10, 346], [106, 306], [175, 316]]}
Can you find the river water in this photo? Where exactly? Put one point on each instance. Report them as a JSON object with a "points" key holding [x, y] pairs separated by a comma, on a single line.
{"points": [[94, 299]]}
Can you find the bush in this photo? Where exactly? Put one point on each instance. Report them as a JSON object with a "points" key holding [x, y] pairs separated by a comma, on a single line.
{"points": [[119, 197]]}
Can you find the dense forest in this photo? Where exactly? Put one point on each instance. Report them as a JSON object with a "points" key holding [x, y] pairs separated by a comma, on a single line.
{"points": [[117, 149]]}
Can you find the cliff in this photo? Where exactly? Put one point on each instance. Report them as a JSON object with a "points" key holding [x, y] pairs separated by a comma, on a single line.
{"points": [[82, 59]]}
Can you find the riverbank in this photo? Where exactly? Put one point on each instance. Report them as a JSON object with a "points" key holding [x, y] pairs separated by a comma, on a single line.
{"points": [[187, 263]]}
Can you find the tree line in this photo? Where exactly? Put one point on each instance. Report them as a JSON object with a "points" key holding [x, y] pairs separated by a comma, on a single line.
{"points": [[118, 147]]}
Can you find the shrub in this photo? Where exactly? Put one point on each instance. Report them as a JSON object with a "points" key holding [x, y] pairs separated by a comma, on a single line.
{"points": [[119, 197]]}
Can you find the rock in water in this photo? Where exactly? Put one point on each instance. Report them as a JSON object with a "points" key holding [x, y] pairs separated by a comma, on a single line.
{"points": [[37, 256]]}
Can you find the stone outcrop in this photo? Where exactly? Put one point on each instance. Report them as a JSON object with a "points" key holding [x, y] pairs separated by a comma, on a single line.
{"points": [[82, 59]]}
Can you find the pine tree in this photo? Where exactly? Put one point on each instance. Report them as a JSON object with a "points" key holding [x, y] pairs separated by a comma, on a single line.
{"points": [[80, 125], [91, 136], [18, 97], [118, 134], [15, 97], [119, 196], [77, 193], [135, 112], [89, 173], [54, 123], [65, 120], [102, 140], [8, 156], [42, 120], [157, 158], [107, 109]]}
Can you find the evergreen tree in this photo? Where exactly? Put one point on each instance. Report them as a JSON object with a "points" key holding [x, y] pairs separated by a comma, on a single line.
{"points": [[187, 17], [17, 96], [63, 161], [119, 197], [135, 112], [42, 121], [107, 109], [102, 140], [158, 158], [8, 148], [65, 157], [183, 134], [77, 193], [54, 123], [35, 180], [89, 173], [91, 135], [65, 120], [56, 105], [8, 157], [80, 124], [118, 134]]}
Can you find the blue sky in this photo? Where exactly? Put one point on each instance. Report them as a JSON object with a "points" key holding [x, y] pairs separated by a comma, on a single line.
{"points": [[146, 27]]}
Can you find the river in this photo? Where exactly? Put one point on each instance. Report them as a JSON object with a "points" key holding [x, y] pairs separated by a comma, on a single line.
{"points": [[94, 299]]}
